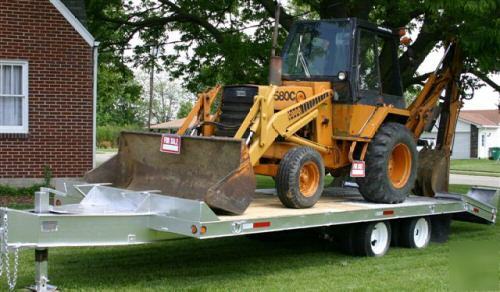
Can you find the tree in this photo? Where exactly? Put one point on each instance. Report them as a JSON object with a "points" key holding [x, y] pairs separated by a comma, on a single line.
{"points": [[119, 95], [169, 98], [228, 41], [184, 109]]}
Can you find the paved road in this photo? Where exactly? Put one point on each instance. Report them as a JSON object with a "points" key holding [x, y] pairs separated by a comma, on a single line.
{"points": [[100, 158], [462, 179], [487, 181]]}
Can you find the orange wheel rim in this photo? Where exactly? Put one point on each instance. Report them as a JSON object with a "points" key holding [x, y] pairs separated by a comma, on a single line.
{"points": [[399, 165], [309, 179]]}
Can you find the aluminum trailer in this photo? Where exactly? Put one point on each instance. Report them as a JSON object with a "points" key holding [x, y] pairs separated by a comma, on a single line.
{"points": [[100, 215]]}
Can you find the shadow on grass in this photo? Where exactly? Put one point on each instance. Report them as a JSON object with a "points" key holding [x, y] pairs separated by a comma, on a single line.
{"points": [[187, 260]]}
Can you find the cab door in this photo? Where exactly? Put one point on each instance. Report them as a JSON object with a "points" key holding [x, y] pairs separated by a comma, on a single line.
{"points": [[378, 77]]}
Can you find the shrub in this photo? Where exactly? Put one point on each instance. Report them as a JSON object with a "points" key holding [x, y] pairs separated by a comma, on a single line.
{"points": [[107, 136], [14, 191]]}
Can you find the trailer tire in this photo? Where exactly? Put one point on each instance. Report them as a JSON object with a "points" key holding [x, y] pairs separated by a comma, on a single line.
{"points": [[300, 178], [372, 239], [343, 238], [415, 233], [391, 165]]}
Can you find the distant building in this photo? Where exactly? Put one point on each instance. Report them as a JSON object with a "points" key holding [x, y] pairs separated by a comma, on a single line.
{"points": [[477, 131], [170, 126]]}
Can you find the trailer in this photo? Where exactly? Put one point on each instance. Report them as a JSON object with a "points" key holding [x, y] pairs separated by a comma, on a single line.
{"points": [[77, 215]]}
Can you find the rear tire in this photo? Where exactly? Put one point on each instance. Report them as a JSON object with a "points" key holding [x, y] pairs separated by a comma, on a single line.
{"points": [[371, 239], [391, 165], [300, 178], [415, 233]]}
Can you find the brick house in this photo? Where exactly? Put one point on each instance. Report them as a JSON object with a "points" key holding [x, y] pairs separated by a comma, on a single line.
{"points": [[47, 90]]}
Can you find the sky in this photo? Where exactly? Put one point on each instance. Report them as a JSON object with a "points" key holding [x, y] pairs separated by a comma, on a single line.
{"points": [[484, 98]]}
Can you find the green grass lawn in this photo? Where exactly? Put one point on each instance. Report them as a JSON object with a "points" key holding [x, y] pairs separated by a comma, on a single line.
{"points": [[242, 264], [106, 150], [475, 166]]}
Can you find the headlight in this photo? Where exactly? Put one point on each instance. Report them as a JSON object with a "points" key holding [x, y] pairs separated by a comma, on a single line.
{"points": [[342, 76]]}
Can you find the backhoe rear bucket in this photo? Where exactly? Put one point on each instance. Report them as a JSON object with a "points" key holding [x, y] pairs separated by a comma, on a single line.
{"points": [[214, 170], [433, 172]]}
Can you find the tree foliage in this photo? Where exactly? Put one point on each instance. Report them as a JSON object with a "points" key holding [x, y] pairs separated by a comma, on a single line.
{"points": [[229, 41], [119, 95], [169, 98], [184, 109]]}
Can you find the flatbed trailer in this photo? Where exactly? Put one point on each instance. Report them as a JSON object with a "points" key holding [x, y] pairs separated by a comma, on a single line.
{"points": [[100, 215]]}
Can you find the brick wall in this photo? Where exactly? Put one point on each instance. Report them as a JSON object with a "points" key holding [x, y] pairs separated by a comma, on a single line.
{"points": [[60, 92]]}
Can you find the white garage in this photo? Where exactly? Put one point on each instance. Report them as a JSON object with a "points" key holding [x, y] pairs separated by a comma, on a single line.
{"points": [[461, 146], [477, 131]]}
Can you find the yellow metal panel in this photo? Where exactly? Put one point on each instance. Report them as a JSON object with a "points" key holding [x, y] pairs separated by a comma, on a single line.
{"points": [[360, 120]]}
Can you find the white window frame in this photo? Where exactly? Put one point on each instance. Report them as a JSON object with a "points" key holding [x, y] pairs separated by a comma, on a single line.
{"points": [[24, 128]]}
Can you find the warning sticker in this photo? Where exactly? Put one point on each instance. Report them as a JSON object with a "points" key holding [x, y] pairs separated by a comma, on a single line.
{"points": [[358, 168], [170, 144]]}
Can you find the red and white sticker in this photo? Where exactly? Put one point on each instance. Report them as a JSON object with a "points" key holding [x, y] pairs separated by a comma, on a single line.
{"points": [[255, 225], [170, 144], [358, 168]]}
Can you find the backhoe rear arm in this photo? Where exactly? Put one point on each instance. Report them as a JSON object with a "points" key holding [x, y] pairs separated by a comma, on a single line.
{"points": [[422, 107]]}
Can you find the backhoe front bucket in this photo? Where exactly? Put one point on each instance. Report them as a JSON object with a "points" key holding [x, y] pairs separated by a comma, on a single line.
{"points": [[214, 170], [433, 172]]}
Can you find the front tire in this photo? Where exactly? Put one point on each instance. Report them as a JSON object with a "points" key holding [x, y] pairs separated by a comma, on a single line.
{"points": [[391, 165], [300, 178]]}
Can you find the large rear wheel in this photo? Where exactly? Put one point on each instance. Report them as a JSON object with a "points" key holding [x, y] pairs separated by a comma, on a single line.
{"points": [[300, 179], [391, 165]]}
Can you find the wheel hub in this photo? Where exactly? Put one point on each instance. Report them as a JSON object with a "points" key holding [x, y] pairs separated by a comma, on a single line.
{"points": [[309, 179], [379, 238], [421, 233], [399, 165]]}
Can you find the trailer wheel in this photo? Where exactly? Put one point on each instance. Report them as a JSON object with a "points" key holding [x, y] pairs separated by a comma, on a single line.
{"points": [[415, 233], [391, 165], [343, 237], [372, 239], [300, 178]]}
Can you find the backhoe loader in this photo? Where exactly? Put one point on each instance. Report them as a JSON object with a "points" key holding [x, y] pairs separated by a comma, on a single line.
{"points": [[334, 105]]}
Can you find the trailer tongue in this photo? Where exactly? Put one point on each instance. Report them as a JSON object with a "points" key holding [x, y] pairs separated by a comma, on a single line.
{"points": [[216, 171]]}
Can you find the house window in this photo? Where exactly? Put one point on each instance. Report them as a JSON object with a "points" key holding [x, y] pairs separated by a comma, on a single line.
{"points": [[483, 140], [13, 97]]}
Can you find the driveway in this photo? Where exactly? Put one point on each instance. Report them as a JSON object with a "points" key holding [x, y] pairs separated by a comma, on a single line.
{"points": [[100, 158], [473, 180]]}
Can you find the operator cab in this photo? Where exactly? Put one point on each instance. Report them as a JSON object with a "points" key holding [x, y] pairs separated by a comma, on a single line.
{"points": [[359, 59]]}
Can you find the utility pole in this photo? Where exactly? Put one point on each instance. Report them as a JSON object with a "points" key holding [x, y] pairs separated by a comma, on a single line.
{"points": [[154, 53]]}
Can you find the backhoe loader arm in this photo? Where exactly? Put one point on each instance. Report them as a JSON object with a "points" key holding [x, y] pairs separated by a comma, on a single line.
{"points": [[444, 78], [268, 125], [201, 111], [434, 164]]}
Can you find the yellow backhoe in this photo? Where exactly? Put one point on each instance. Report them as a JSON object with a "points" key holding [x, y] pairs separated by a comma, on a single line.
{"points": [[334, 105]]}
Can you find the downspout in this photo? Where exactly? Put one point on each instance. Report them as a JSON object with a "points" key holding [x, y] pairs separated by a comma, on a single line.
{"points": [[94, 104]]}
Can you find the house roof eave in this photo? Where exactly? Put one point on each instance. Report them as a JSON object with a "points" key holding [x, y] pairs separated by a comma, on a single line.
{"points": [[77, 25]]}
